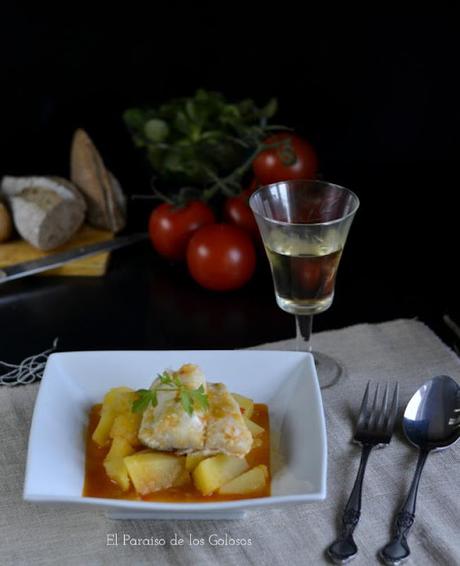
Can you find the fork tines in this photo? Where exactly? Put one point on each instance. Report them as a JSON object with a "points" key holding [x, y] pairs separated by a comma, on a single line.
{"points": [[376, 422]]}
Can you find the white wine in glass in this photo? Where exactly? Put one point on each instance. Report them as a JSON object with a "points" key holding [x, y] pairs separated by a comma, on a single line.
{"points": [[304, 227], [304, 278]]}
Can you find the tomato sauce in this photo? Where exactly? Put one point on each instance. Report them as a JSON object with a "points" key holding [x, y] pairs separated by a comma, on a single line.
{"points": [[98, 484]]}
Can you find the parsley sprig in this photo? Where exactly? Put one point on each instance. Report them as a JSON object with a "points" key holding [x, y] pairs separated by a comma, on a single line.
{"points": [[191, 399]]}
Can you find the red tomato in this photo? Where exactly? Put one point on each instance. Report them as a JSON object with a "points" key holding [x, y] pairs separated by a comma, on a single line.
{"points": [[221, 257], [294, 159], [238, 212], [170, 228]]}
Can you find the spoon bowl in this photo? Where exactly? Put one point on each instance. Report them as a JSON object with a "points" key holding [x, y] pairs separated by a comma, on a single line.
{"points": [[432, 416], [431, 422]]}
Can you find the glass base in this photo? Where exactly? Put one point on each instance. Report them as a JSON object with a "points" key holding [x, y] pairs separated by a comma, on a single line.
{"points": [[304, 308], [329, 371]]}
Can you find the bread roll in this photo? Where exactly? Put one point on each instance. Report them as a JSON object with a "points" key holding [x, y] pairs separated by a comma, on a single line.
{"points": [[47, 211]]}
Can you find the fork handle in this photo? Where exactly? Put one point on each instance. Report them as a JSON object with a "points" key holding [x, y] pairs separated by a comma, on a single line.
{"points": [[344, 548], [397, 549]]}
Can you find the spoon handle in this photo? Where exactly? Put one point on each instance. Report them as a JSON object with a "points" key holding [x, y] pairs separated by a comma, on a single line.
{"points": [[397, 549], [344, 548]]}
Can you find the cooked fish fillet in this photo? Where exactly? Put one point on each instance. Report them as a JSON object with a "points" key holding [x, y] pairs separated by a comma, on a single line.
{"points": [[220, 429], [226, 431], [167, 426]]}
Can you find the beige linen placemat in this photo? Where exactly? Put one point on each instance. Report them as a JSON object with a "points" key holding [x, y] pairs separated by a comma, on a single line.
{"points": [[405, 350]]}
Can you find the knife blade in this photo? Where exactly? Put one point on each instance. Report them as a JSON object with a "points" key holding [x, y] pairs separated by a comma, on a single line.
{"points": [[31, 267]]}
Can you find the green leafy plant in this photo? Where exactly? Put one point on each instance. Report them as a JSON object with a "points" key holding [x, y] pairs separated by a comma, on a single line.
{"points": [[191, 399], [203, 140]]}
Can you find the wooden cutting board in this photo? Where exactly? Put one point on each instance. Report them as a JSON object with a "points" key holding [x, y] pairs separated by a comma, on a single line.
{"points": [[18, 251]]}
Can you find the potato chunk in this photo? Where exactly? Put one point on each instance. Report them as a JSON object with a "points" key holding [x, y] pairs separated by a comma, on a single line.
{"points": [[127, 426], [117, 401], [246, 404], [253, 427], [212, 473], [102, 431], [193, 459], [114, 465], [249, 482], [151, 471]]}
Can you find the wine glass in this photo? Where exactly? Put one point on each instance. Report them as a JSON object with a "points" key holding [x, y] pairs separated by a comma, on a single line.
{"points": [[304, 225]]}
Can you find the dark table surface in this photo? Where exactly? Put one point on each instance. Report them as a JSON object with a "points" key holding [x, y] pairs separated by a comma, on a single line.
{"points": [[144, 302]]}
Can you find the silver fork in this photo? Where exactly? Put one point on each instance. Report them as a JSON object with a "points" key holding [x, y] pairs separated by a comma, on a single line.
{"points": [[374, 428]]}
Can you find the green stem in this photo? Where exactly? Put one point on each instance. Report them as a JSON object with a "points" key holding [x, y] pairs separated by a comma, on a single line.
{"points": [[218, 184], [274, 127], [161, 196], [237, 174]]}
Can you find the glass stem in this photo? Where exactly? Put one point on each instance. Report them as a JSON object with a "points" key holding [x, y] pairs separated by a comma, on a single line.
{"points": [[303, 325]]}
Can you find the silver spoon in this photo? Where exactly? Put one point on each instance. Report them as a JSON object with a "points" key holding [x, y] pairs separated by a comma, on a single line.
{"points": [[431, 422]]}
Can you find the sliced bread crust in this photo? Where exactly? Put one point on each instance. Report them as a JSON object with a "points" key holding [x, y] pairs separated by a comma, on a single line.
{"points": [[104, 196]]}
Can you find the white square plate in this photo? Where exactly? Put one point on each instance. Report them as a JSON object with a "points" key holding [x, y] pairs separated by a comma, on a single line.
{"points": [[74, 381]]}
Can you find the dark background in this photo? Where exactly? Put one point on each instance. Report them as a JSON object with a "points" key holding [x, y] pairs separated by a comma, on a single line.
{"points": [[376, 94]]}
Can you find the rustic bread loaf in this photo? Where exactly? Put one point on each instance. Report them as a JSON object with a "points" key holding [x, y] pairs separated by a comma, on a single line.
{"points": [[47, 211], [104, 196]]}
